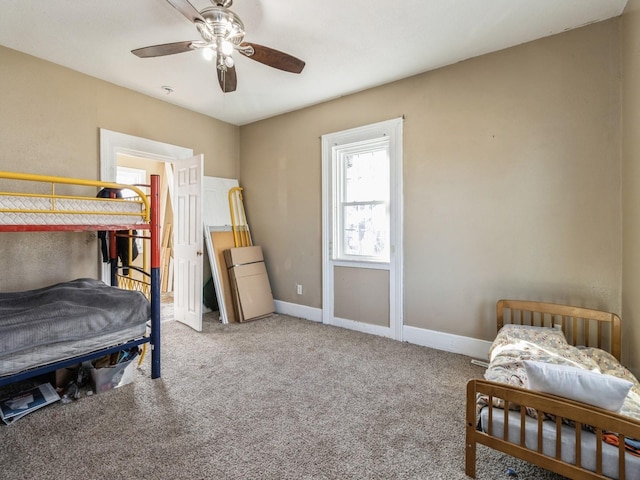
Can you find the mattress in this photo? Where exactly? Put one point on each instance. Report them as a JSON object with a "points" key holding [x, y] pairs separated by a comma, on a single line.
{"points": [[66, 320], [568, 438], [34, 210], [55, 352]]}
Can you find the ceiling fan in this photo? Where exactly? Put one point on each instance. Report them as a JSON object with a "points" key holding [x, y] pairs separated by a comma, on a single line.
{"points": [[222, 32]]}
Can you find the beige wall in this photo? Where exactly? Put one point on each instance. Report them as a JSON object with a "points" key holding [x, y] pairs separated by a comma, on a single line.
{"points": [[362, 295], [49, 124], [631, 184], [511, 182]]}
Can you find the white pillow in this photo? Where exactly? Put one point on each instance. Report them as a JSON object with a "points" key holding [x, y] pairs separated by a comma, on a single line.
{"points": [[593, 388]]}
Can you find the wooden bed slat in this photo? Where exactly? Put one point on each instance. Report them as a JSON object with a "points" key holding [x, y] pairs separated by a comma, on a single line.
{"points": [[540, 437], [599, 451], [621, 457], [505, 433], [523, 419], [558, 438], [579, 444]]}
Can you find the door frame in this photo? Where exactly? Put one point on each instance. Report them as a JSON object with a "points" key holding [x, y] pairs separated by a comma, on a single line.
{"points": [[393, 128], [113, 144]]}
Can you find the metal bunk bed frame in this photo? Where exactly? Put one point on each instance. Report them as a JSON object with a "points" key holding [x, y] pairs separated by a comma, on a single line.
{"points": [[151, 223]]}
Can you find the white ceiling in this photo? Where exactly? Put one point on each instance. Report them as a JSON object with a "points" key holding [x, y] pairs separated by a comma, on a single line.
{"points": [[348, 45]]}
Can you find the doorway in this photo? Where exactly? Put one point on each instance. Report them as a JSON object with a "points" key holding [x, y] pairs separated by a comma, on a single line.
{"points": [[115, 145], [362, 228]]}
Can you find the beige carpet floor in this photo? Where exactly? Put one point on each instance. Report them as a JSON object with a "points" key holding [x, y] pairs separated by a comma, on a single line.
{"points": [[277, 398]]}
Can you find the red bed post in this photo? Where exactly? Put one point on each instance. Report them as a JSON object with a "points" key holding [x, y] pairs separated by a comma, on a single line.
{"points": [[155, 276]]}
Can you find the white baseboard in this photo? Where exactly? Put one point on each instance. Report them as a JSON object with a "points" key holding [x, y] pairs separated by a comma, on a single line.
{"points": [[448, 342], [300, 311], [362, 327]]}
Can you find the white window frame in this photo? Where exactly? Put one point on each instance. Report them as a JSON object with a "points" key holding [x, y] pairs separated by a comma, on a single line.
{"points": [[394, 130]]}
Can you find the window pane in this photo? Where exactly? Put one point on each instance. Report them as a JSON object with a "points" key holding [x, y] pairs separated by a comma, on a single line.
{"points": [[366, 176], [366, 230]]}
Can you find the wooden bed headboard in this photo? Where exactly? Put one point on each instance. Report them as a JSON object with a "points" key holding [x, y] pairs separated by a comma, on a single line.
{"points": [[581, 326]]}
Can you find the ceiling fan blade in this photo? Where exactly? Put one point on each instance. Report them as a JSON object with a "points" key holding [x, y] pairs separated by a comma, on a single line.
{"points": [[165, 49], [186, 9], [227, 79], [273, 58]]}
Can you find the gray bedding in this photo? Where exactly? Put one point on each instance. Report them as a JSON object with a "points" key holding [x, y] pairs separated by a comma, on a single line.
{"points": [[71, 311]]}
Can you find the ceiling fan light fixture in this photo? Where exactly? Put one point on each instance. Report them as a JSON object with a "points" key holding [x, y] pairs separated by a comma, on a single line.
{"points": [[208, 53], [226, 47], [223, 23]]}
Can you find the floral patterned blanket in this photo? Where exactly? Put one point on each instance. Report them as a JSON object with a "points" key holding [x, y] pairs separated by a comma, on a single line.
{"points": [[516, 343]]}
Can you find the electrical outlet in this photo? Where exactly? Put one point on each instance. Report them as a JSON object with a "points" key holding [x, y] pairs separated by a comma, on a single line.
{"points": [[299, 289]]}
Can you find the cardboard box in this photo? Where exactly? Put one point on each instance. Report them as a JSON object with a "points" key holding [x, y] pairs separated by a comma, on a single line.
{"points": [[107, 378], [243, 255], [252, 297]]}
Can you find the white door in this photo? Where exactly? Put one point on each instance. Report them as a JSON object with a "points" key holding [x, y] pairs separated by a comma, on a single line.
{"points": [[187, 241], [362, 229]]}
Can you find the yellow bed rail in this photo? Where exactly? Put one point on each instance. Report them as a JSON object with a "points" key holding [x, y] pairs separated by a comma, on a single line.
{"points": [[53, 197]]}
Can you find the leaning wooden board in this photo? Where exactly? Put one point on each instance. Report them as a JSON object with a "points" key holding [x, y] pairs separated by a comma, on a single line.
{"points": [[221, 241]]}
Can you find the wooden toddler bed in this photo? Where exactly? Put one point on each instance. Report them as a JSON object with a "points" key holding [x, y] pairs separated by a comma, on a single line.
{"points": [[537, 342], [53, 327]]}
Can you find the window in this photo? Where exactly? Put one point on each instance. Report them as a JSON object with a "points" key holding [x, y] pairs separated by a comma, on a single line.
{"points": [[362, 218]]}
